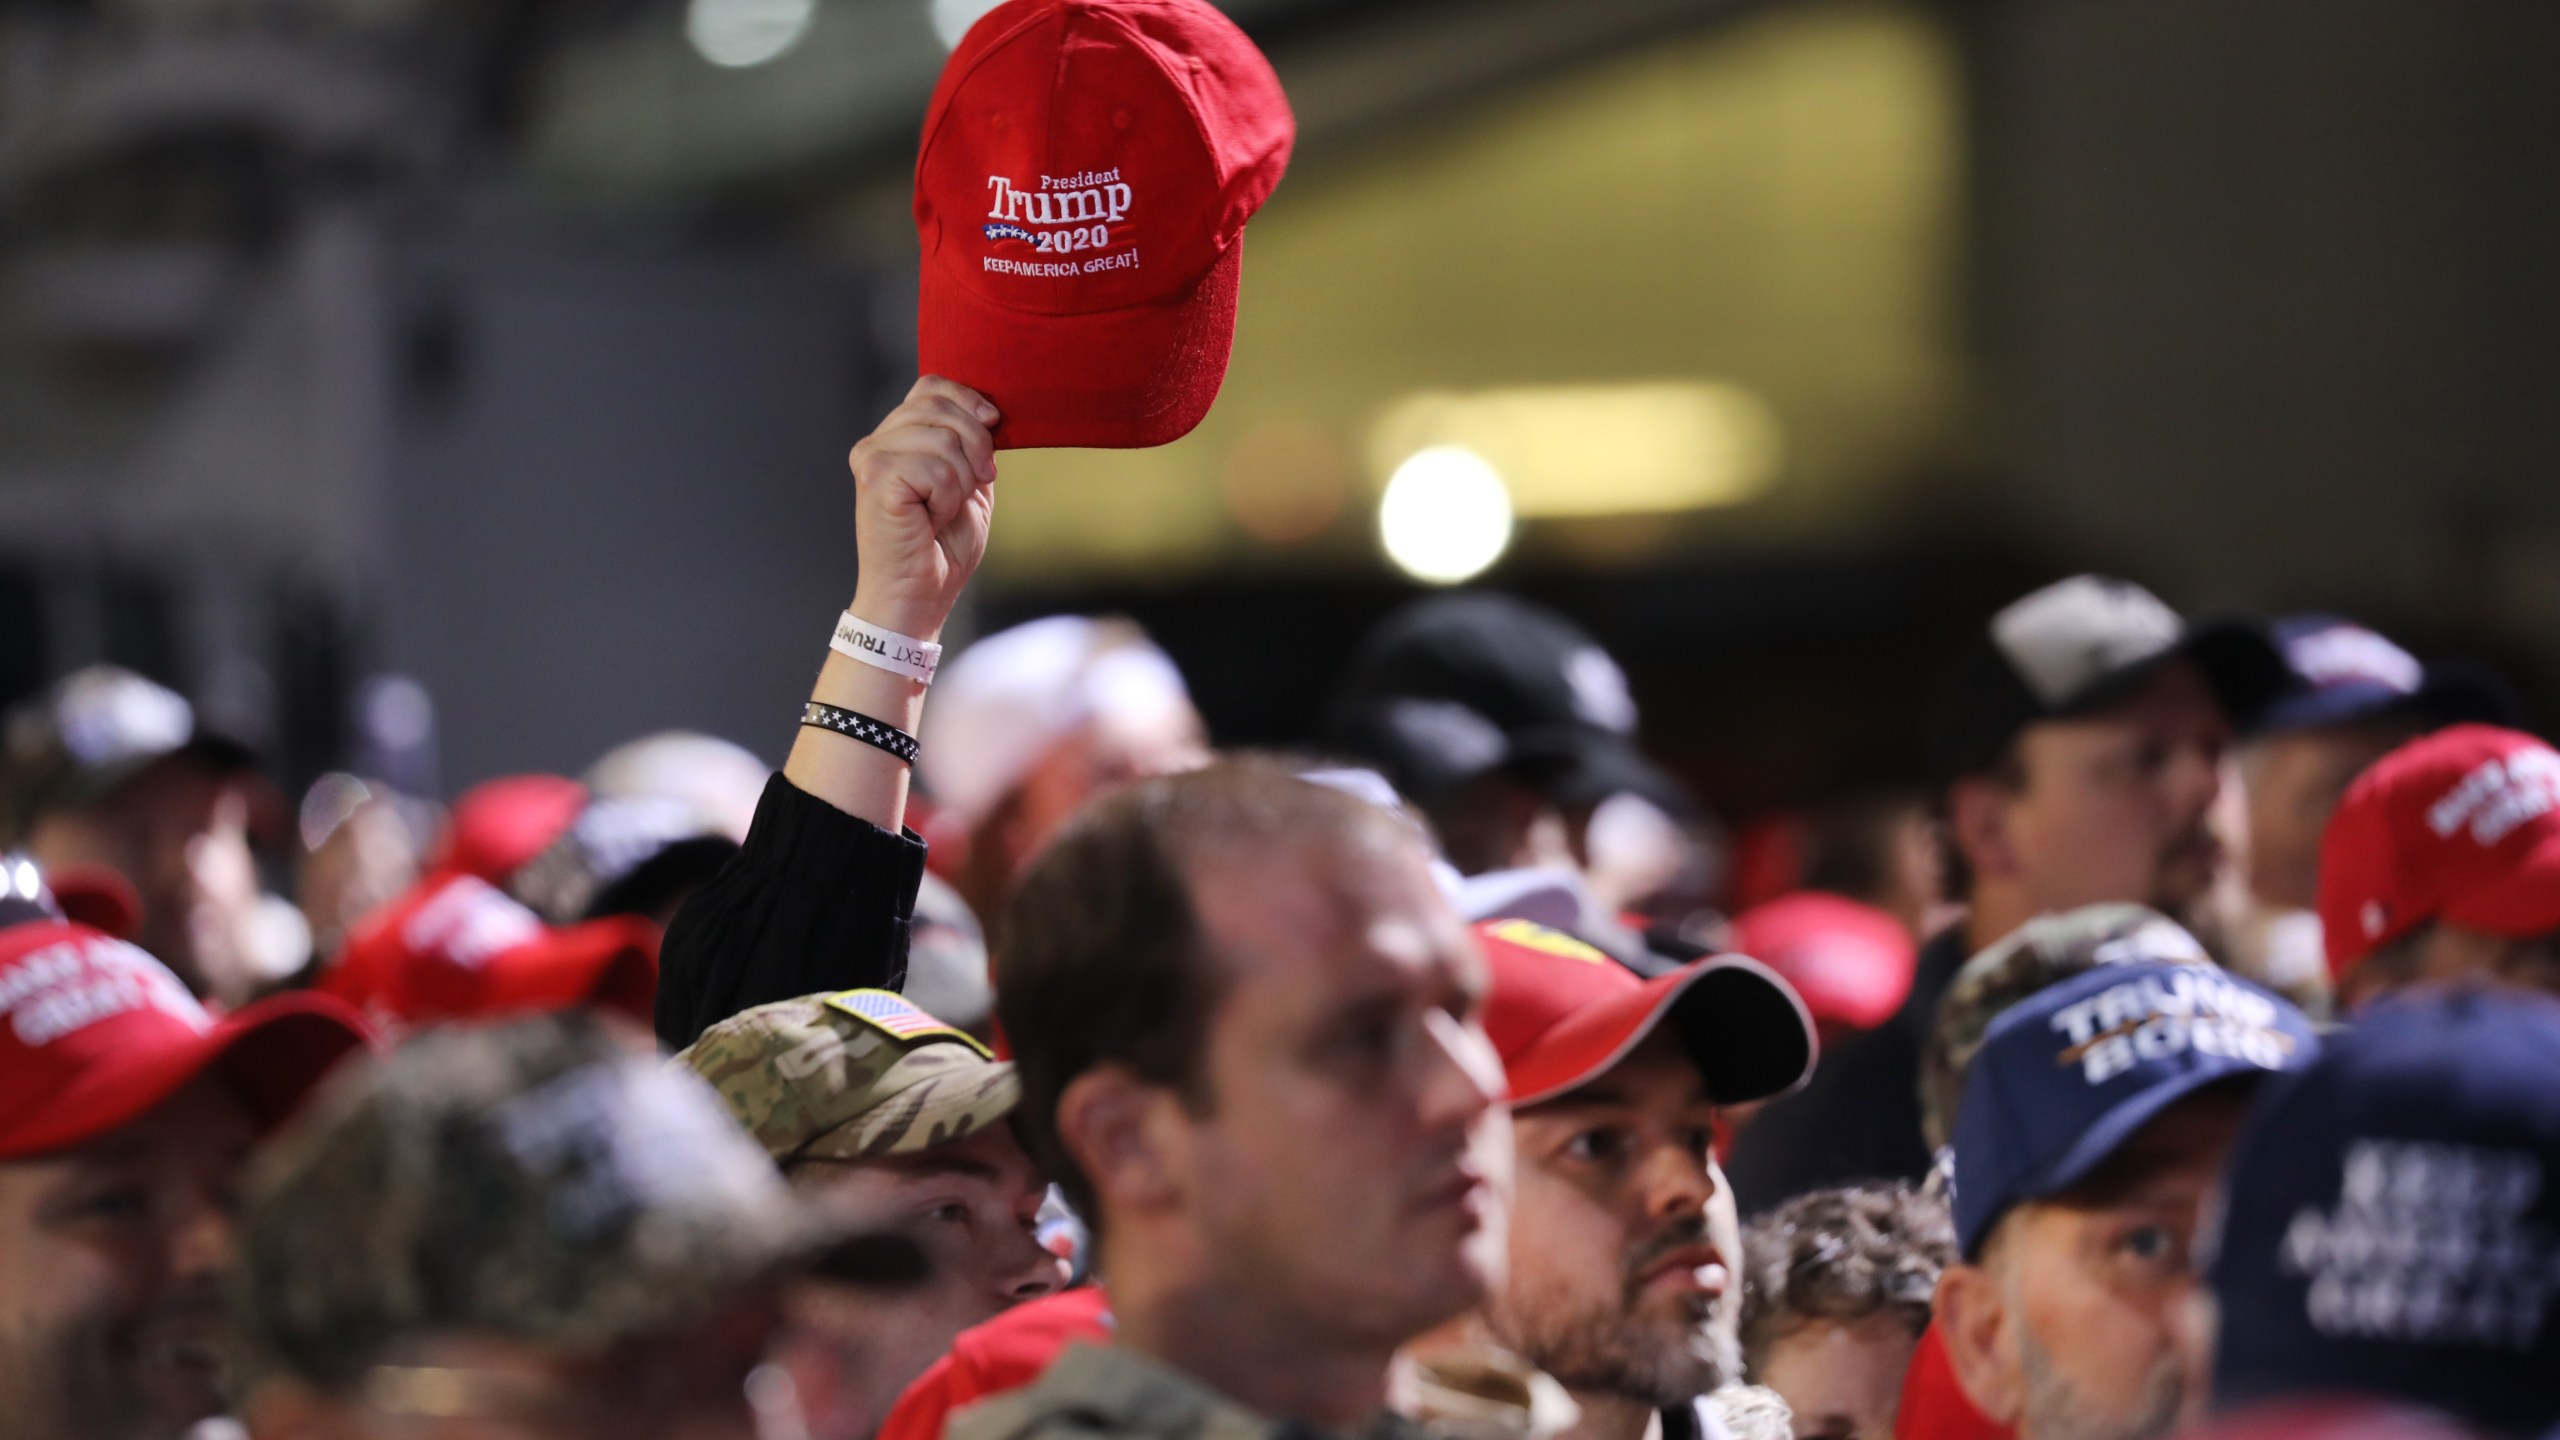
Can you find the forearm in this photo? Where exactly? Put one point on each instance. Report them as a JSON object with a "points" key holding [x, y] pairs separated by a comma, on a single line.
{"points": [[861, 780]]}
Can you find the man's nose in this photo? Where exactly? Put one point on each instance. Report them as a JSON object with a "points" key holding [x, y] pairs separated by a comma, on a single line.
{"points": [[2194, 776], [1678, 1182], [1025, 1270], [1466, 1075], [199, 1238]]}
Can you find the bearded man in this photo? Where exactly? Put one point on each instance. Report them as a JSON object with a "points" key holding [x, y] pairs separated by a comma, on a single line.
{"points": [[1625, 1276]]}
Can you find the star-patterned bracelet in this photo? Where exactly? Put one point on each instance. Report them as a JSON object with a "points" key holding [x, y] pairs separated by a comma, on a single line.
{"points": [[854, 725]]}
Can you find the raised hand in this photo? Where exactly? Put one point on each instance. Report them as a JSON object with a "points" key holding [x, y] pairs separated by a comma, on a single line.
{"points": [[924, 492]]}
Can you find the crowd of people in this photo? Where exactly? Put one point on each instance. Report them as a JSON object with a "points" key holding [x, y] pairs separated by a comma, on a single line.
{"points": [[1367, 1090]]}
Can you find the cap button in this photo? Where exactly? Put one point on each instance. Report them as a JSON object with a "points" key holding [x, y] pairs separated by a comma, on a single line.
{"points": [[996, 121], [1120, 119]]}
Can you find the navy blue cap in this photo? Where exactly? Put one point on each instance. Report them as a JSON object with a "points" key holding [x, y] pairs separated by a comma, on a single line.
{"points": [[2344, 672], [2391, 1221], [2066, 1076]]}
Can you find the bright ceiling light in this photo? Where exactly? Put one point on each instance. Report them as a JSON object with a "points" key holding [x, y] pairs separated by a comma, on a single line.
{"points": [[735, 34], [952, 18], [1445, 515], [1569, 451]]}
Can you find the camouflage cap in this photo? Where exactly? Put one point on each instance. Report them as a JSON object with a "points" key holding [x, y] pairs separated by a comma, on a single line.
{"points": [[548, 1181], [851, 1076], [2044, 951]]}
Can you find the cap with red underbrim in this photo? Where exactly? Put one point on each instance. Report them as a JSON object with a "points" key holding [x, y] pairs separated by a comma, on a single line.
{"points": [[1561, 1013], [97, 1033]]}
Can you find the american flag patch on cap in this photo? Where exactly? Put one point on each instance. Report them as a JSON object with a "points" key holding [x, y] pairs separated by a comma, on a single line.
{"points": [[890, 1011]]}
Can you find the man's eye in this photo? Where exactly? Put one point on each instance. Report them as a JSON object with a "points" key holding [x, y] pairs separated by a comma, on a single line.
{"points": [[1368, 1041], [1598, 1147], [123, 1204], [2149, 1244], [952, 1213]]}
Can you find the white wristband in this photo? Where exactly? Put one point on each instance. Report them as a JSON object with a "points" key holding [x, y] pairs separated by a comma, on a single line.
{"points": [[887, 649]]}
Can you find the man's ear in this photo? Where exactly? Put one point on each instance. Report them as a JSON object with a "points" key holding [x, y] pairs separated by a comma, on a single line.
{"points": [[1978, 825], [1113, 1123], [1973, 1320]]}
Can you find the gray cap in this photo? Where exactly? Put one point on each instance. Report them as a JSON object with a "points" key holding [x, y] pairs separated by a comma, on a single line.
{"points": [[88, 735], [2078, 646], [2045, 951], [547, 1181]]}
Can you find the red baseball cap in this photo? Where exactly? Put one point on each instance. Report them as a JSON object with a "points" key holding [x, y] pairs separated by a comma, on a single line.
{"points": [[2462, 825], [1087, 170], [94, 1033], [1561, 1013], [1851, 962], [500, 824], [458, 948]]}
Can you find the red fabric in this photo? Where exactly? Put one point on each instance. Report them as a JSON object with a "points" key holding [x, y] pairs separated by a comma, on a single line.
{"points": [[97, 1033], [499, 825], [1768, 861], [1934, 1406], [456, 948], [1081, 195], [2462, 826], [96, 896], [1851, 962], [1003, 1354]]}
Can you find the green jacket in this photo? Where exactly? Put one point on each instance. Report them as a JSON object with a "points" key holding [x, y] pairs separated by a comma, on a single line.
{"points": [[1108, 1393]]}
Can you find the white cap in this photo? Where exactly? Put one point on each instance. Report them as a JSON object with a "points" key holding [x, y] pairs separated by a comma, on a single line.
{"points": [[1003, 703], [715, 783]]}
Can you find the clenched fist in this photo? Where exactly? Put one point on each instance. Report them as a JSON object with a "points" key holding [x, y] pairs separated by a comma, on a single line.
{"points": [[923, 493]]}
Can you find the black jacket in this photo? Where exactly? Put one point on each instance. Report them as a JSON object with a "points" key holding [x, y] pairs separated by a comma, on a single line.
{"points": [[816, 901], [1860, 1118]]}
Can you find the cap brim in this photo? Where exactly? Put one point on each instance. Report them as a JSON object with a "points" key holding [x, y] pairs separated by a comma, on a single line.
{"points": [[2238, 658], [939, 1110], [2102, 1140], [1112, 379], [608, 963], [1579, 766], [1745, 1028], [271, 1054], [98, 897], [2241, 662]]}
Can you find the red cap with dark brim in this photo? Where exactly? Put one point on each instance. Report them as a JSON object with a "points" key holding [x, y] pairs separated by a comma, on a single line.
{"points": [[499, 825], [1562, 1013], [1087, 170], [458, 948], [2461, 826], [99, 1033]]}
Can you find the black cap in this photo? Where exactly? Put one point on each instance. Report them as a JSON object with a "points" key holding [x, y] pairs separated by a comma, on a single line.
{"points": [[1455, 686], [2078, 646]]}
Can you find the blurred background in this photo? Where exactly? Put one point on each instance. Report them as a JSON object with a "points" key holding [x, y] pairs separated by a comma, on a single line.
{"points": [[442, 388]]}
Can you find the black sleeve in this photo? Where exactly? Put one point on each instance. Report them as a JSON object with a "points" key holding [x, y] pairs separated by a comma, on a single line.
{"points": [[1860, 1118], [816, 900]]}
